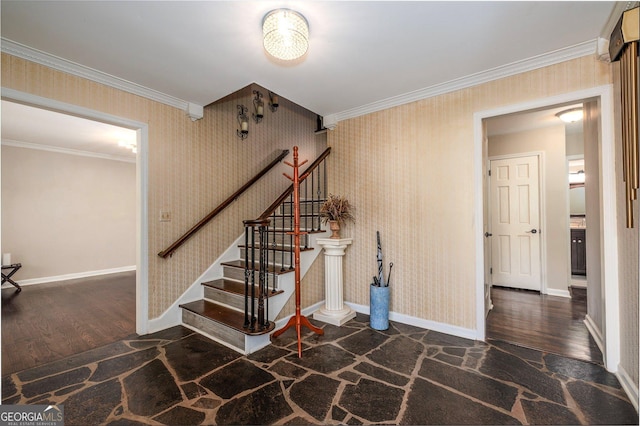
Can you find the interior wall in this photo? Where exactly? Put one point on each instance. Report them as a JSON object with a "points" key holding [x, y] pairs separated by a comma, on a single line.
{"points": [[192, 166], [409, 172], [67, 214], [628, 260], [575, 143], [550, 141], [595, 302]]}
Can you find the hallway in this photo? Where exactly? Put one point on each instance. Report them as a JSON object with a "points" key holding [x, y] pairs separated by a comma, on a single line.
{"points": [[48, 322], [546, 323]]}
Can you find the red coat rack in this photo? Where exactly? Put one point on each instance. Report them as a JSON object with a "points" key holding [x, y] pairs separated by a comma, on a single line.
{"points": [[298, 320]]}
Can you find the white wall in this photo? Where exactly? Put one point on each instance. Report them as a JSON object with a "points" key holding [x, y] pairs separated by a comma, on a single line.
{"points": [[67, 214], [551, 141]]}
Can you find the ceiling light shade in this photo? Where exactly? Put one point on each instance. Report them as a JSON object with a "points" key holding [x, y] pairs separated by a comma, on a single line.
{"points": [[570, 115], [285, 34]]}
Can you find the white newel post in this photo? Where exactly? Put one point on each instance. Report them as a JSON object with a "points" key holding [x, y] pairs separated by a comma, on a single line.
{"points": [[334, 311]]}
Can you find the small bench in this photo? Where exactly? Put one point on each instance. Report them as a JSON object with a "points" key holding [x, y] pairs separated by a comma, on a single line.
{"points": [[12, 270]]}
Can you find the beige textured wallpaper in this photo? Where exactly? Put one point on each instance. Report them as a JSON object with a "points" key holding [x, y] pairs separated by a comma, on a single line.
{"points": [[409, 172], [193, 166]]}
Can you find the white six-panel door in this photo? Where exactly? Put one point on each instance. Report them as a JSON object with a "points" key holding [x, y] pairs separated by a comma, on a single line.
{"points": [[515, 223]]}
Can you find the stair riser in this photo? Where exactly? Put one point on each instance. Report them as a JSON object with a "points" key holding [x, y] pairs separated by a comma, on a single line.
{"points": [[306, 223], [215, 329], [305, 208], [230, 299], [238, 275], [278, 257], [281, 238]]}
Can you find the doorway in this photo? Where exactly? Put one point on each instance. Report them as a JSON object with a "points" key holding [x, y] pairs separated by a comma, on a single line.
{"points": [[605, 146], [141, 197]]}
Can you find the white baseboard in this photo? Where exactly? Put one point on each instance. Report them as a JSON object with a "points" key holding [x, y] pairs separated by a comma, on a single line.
{"points": [[453, 330], [630, 388], [595, 332], [76, 275], [559, 293]]}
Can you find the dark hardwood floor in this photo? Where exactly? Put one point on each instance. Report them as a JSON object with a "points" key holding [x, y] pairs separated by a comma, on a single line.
{"points": [[547, 323], [48, 322]]}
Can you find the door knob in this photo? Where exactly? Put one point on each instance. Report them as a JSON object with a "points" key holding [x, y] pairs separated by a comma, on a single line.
{"points": [[533, 231], [487, 234]]}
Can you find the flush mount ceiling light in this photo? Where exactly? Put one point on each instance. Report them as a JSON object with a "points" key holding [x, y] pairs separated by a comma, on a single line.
{"points": [[571, 115], [133, 146], [285, 34]]}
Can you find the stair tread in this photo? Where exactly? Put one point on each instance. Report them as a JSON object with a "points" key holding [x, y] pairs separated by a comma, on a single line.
{"points": [[270, 269], [233, 286], [223, 315]]}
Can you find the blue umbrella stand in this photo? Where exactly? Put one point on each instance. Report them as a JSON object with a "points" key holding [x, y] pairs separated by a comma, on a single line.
{"points": [[379, 305]]}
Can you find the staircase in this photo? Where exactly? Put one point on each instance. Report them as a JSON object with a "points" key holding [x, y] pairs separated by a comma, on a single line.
{"points": [[239, 308]]}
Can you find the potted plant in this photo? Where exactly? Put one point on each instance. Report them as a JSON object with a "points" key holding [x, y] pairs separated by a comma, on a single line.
{"points": [[337, 211]]}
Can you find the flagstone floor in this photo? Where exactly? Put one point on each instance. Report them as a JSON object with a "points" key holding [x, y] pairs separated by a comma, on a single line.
{"points": [[351, 375]]}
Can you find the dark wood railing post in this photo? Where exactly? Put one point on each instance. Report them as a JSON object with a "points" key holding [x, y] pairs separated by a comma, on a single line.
{"points": [[247, 230], [252, 300]]}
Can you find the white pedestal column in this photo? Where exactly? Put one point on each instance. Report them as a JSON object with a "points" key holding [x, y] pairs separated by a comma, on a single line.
{"points": [[334, 311]]}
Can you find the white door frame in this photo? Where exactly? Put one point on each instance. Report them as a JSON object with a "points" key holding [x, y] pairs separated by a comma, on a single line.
{"points": [[608, 208], [541, 205], [142, 172]]}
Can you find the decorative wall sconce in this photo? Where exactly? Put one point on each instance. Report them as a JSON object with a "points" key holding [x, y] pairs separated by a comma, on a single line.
{"points": [[274, 102], [243, 122], [258, 106]]}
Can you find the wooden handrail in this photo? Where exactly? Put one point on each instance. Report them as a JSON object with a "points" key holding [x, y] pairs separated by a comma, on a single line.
{"points": [[272, 208], [173, 247]]}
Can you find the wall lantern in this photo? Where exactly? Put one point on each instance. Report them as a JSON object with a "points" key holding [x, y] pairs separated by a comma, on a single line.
{"points": [[274, 102], [243, 122], [285, 34], [258, 106]]}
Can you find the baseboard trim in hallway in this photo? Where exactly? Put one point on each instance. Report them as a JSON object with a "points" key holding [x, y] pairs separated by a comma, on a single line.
{"points": [[74, 276]]}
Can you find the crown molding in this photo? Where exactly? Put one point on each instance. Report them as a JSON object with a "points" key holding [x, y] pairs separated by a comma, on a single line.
{"points": [[68, 151], [557, 56], [25, 52]]}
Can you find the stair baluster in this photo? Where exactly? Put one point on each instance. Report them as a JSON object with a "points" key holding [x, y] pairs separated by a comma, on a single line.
{"points": [[251, 299], [262, 319], [246, 274]]}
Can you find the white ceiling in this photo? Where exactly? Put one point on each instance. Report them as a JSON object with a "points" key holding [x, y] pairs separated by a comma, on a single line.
{"points": [[30, 127], [361, 52]]}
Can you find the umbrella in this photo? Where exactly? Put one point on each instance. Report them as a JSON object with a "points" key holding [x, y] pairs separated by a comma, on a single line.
{"points": [[380, 267]]}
